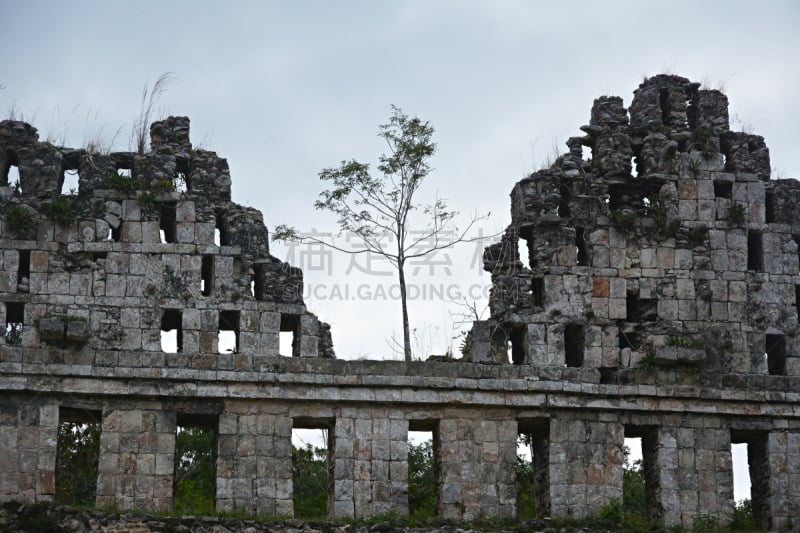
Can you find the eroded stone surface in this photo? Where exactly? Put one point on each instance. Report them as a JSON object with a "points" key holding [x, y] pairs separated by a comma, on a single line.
{"points": [[645, 289]]}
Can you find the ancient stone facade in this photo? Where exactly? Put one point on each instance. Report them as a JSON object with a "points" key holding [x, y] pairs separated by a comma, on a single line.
{"points": [[648, 289]]}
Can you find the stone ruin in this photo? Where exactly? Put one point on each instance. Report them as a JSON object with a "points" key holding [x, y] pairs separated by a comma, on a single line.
{"points": [[647, 287]]}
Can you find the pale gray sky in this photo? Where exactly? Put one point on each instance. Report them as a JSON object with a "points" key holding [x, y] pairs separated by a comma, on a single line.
{"points": [[284, 89]]}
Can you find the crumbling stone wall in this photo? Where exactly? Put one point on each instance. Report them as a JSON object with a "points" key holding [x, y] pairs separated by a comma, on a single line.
{"points": [[646, 287]]}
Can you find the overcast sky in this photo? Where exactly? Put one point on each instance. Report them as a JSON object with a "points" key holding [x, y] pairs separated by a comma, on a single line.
{"points": [[285, 89]]}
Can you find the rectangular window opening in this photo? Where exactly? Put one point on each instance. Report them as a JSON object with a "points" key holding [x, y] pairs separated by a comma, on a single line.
{"points": [[533, 469], [194, 486], [797, 301], [634, 167], [518, 345], [565, 198], [124, 172], [207, 275], [77, 456], [769, 207], [580, 245], [775, 354], [15, 320], [524, 251], [228, 332], [167, 222], [424, 467], [537, 291], [640, 486], [258, 282], [640, 309], [755, 251], [10, 174], [723, 189], [313, 456], [115, 234], [181, 182], [289, 335], [221, 237], [756, 457], [629, 338], [171, 331], [69, 182], [574, 340], [24, 266]]}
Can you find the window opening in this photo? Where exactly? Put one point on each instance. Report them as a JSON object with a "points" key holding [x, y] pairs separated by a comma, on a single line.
{"points": [[573, 345], [10, 174], [775, 354], [194, 485], [290, 335], [565, 197], [640, 486], [769, 207], [723, 189], [207, 275], [115, 234], [424, 468], [537, 291], [24, 267], [518, 345], [171, 331], [69, 182], [797, 300], [533, 468], [313, 447], [77, 456], [258, 282], [755, 251], [580, 245], [758, 470], [666, 108], [15, 320], [228, 332], [640, 309], [167, 222], [124, 172], [221, 237], [182, 183]]}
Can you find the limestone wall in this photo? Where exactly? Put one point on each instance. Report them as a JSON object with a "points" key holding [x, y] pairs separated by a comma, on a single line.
{"points": [[647, 287]]}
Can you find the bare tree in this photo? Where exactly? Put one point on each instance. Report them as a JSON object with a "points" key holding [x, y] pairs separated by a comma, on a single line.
{"points": [[378, 208]]}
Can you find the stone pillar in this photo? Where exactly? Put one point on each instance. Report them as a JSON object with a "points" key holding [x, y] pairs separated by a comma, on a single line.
{"points": [[586, 464], [477, 461], [28, 436], [254, 460], [694, 473], [783, 451], [137, 458], [371, 463]]}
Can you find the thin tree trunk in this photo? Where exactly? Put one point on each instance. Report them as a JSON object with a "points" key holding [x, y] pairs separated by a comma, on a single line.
{"points": [[406, 330]]}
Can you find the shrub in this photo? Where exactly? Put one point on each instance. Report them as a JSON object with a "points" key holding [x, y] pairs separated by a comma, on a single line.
{"points": [[20, 221]]}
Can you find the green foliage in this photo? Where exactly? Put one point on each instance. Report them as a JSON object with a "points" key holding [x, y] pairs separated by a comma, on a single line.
{"points": [[77, 459], [649, 359], [735, 214], [685, 342], [421, 481], [694, 166], [61, 210], [526, 489], [310, 482], [657, 210], [706, 523], [164, 185], [20, 221], [194, 470], [622, 218], [742, 518], [701, 140], [114, 180]]}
